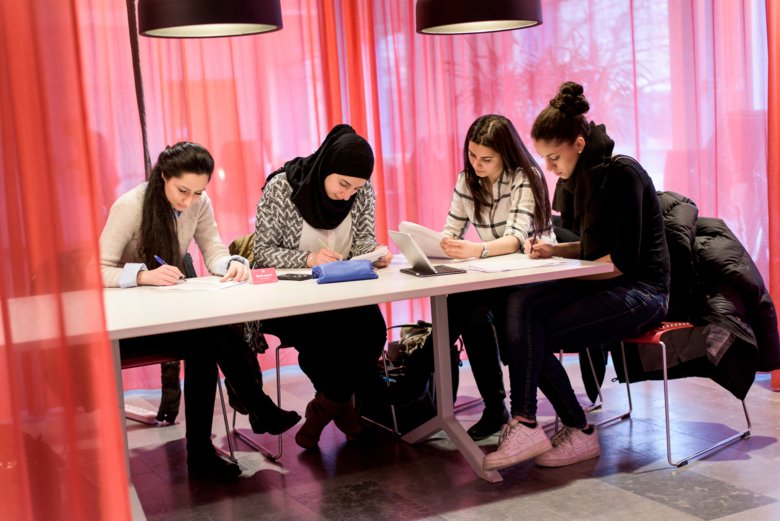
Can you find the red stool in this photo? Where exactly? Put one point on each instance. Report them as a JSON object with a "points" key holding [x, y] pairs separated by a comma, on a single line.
{"points": [[653, 337]]}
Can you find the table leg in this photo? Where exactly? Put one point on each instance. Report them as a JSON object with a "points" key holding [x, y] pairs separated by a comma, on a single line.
{"points": [[445, 417], [135, 504]]}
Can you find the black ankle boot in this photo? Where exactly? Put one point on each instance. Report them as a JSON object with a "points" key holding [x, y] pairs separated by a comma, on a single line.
{"points": [[272, 419], [206, 464], [491, 421]]}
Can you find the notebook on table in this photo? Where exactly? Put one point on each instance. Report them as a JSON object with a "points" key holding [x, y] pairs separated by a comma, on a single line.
{"points": [[421, 264]]}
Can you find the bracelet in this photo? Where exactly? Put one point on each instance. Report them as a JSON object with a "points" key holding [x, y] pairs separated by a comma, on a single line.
{"points": [[237, 258]]}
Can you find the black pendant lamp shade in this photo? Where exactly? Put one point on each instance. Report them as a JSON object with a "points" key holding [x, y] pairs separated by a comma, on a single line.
{"points": [[476, 16], [208, 18]]}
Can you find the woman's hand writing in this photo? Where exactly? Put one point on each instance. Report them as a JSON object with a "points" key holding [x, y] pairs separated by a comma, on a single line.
{"points": [[165, 275], [460, 249], [323, 256], [536, 249]]}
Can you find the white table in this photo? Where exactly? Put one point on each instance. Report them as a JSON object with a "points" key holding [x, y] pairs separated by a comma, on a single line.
{"points": [[145, 311]]}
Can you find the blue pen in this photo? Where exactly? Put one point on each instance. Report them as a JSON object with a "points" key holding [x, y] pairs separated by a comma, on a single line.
{"points": [[163, 263]]}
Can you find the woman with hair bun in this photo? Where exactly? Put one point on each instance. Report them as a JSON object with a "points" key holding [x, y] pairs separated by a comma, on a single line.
{"points": [[611, 203]]}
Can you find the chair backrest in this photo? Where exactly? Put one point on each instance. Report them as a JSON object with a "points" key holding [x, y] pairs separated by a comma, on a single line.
{"points": [[244, 246]]}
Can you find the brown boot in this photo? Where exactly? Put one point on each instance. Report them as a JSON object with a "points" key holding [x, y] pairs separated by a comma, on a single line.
{"points": [[319, 412], [349, 422]]}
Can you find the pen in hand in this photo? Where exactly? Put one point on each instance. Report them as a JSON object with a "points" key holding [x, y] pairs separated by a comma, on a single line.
{"points": [[532, 241], [162, 262], [322, 243]]}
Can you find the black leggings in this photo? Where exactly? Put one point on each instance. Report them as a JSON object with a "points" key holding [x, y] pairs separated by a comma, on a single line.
{"points": [[470, 315], [337, 349], [203, 350]]}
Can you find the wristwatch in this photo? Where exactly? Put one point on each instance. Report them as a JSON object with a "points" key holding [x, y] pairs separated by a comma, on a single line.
{"points": [[485, 251]]}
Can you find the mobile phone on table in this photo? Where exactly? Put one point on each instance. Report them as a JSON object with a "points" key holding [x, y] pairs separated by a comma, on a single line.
{"points": [[294, 276]]}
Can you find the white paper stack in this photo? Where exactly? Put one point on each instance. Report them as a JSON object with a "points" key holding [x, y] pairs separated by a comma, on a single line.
{"points": [[521, 263]]}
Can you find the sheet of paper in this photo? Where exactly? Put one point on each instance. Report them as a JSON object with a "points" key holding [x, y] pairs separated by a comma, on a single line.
{"points": [[428, 240], [372, 255], [202, 284], [514, 264]]}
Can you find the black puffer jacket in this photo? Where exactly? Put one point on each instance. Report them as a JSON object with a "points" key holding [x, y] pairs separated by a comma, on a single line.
{"points": [[734, 294], [680, 214], [714, 281]]}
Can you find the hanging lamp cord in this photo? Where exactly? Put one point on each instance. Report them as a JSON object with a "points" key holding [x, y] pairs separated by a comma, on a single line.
{"points": [[139, 85]]}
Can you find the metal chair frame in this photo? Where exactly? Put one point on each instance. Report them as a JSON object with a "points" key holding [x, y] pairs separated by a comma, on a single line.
{"points": [[273, 455], [598, 405], [654, 337]]}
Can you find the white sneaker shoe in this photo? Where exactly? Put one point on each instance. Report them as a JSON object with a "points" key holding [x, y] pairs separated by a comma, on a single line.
{"points": [[516, 443], [569, 446]]}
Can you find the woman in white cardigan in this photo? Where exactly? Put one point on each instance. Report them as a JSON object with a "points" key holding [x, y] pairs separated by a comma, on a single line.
{"points": [[144, 242]]}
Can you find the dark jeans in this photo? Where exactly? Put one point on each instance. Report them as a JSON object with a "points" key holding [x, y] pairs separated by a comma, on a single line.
{"points": [[471, 316], [573, 314], [203, 350], [337, 349]]}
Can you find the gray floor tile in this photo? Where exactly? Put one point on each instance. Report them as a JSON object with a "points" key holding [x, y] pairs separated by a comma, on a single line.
{"points": [[690, 492], [385, 478]]}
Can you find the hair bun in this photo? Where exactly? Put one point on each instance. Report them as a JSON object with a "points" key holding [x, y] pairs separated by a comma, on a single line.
{"points": [[570, 100]]}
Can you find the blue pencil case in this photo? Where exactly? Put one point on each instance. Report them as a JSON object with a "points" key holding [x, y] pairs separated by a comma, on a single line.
{"points": [[343, 271]]}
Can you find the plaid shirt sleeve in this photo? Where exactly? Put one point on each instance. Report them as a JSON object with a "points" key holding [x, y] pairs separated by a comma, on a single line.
{"points": [[457, 217]]}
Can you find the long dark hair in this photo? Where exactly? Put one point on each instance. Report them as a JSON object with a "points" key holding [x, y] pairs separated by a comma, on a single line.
{"points": [[563, 120], [157, 235], [498, 133]]}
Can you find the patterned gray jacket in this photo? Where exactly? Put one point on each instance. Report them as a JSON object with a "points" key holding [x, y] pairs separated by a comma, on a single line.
{"points": [[279, 226]]}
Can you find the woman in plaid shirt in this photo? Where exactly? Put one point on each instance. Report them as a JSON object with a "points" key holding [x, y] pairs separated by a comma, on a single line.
{"points": [[502, 193]]}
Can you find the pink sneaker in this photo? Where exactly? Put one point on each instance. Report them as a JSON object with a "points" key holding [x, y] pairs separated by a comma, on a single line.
{"points": [[569, 446], [516, 443]]}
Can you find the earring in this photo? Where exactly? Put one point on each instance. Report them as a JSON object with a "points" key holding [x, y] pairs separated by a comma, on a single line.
{"points": [[579, 151]]}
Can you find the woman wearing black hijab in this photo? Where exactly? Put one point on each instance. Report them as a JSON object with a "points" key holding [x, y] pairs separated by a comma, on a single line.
{"points": [[315, 210]]}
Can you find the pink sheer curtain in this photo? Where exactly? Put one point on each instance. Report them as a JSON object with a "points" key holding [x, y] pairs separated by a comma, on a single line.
{"points": [[61, 446], [773, 161], [682, 86], [691, 107]]}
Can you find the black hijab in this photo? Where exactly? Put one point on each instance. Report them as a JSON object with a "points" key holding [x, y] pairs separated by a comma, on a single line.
{"points": [[342, 152]]}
